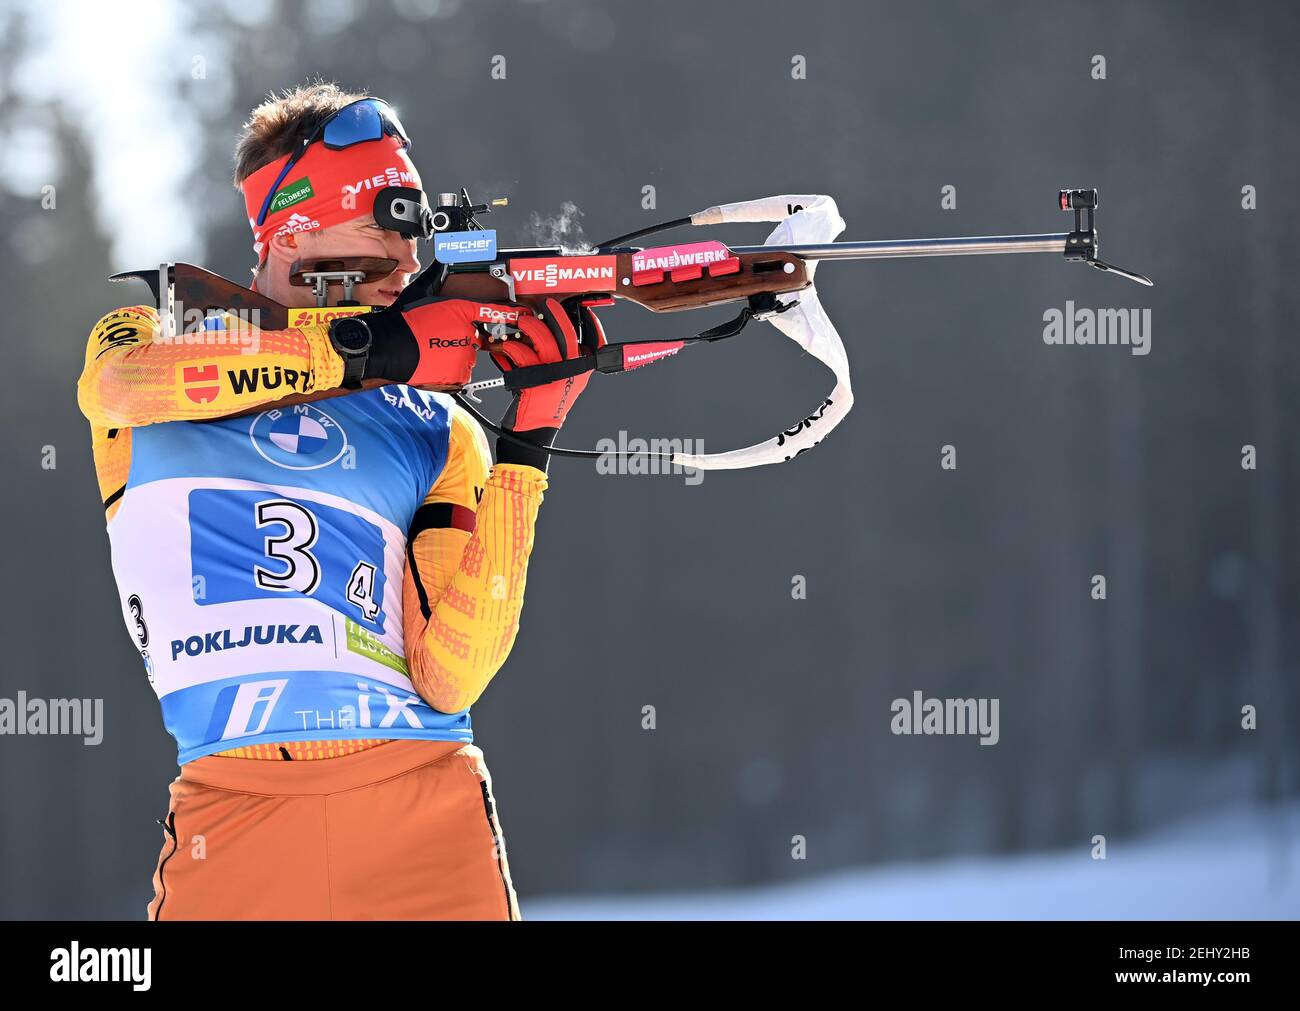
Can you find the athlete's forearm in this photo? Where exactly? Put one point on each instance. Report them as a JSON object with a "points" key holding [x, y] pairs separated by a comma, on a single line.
{"points": [[133, 378], [471, 625]]}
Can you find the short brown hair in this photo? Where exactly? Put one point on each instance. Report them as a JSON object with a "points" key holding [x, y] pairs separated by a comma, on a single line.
{"points": [[282, 122]]}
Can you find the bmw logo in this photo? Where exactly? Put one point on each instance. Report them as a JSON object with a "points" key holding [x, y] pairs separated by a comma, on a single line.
{"points": [[301, 437]]}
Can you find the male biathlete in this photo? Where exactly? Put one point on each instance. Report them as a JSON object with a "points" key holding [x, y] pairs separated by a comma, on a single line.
{"points": [[321, 590]]}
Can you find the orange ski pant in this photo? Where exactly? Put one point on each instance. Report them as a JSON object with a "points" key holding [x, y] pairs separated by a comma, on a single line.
{"points": [[406, 830]]}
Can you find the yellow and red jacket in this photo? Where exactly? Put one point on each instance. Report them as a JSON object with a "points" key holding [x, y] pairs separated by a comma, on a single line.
{"points": [[262, 554]]}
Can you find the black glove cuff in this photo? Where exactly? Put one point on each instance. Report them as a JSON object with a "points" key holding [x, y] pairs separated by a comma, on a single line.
{"points": [[395, 352], [531, 455]]}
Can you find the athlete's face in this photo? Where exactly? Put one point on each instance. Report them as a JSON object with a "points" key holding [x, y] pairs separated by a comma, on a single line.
{"points": [[358, 237]]}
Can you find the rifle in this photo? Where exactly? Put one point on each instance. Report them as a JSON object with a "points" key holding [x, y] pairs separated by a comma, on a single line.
{"points": [[468, 264]]}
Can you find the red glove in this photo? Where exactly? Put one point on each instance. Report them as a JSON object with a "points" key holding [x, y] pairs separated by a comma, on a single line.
{"points": [[553, 340], [450, 336], [433, 343]]}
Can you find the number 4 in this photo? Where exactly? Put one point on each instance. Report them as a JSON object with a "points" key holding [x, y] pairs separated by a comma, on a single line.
{"points": [[361, 590]]}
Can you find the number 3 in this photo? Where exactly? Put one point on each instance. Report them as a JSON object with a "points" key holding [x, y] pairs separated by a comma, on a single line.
{"points": [[302, 570]]}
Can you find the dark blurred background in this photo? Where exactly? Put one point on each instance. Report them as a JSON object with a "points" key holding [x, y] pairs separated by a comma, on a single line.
{"points": [[1117, 716]]}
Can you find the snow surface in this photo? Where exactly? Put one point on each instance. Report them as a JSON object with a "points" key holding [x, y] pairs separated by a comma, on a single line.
{"points": [[1241, 863]]}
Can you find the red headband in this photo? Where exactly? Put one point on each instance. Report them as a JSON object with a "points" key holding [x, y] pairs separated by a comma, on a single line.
{"points": [[325, 187]]}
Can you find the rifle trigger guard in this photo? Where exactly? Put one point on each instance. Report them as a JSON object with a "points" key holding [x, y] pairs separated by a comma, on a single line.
{"points": [[765, 306]]}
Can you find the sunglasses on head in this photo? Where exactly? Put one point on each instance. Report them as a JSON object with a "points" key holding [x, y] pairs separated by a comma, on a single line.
{"points": [[364, 120]]}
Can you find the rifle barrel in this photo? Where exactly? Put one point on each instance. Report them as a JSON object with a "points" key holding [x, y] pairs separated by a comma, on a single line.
{"points": [[888, 249]]}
